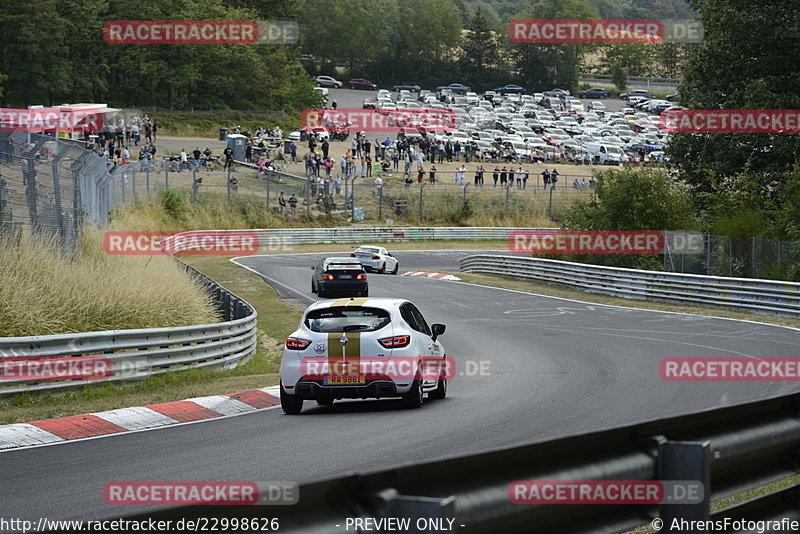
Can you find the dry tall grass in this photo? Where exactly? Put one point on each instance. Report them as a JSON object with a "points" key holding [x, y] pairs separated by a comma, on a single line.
{"points": [[46, 292]]}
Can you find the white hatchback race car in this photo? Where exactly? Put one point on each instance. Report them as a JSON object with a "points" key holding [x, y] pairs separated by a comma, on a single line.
{"points": [[376, 259], [358, 348]]}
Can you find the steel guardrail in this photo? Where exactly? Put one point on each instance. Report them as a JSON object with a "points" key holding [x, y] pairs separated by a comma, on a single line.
{"points": [[140, 353], [729, 450], [744, 294], [359, 234]]}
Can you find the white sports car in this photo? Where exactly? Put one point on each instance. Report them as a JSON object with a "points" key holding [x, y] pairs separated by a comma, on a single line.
{"points": [[376, 259], [358, 348]]}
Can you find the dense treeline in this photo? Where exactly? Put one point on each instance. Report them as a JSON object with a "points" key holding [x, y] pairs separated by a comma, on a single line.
{"points": [[52, 51]]}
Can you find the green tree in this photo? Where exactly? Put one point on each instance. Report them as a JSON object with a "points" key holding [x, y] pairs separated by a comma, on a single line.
{"points": [[619, 76], [544, 66], [482, 64], [749, 59], [633, 198]]}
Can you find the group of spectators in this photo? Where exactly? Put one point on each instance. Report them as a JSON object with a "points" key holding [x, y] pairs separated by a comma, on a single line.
{"points": [[117, 139]]}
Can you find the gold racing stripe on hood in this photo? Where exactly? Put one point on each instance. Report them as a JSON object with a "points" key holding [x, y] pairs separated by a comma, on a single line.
{"points": [[344, 359]]}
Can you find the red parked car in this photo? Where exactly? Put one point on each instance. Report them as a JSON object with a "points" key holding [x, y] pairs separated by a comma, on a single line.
{"points": [[361, 83]]}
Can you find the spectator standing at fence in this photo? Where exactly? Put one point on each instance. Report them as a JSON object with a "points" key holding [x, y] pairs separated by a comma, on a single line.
{"points": [[228, 153], [293, 205], [554, 178], [325, 148], [148, 136], [5, 203], [337, 185], [432, 175], [248, 152], [440, 149], [503, 177], [196, 156], [520, 174], [293, 151], [479, 176], [546, 178], [525, 175], [207, 154], [155, 131], [495, 175], [135, 134], [282, 202], [184, 160]]}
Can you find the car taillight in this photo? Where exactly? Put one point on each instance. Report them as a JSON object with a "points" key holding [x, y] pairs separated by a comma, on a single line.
{"points": [[327, 277], [395, 342], [376, 257], [295, 343], [361, 277]]}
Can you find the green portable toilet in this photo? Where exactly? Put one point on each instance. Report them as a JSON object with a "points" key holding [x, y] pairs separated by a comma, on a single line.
{"points": [[237, 143]]}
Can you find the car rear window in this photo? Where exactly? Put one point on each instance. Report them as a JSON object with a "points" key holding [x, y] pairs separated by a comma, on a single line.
{"points": [[369, 250], [347, 319]]}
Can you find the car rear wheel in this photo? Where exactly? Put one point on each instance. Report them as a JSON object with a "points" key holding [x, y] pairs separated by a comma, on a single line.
{"points": [[290, 404], [337, 85], [313, 287], [383, 268], [396, 268], [413, 399], [441, 389]]}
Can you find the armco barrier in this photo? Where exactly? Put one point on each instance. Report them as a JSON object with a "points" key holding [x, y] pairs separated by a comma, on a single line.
{"points": [[728, 450], [359, 234], [137, 354], [745, 294]]}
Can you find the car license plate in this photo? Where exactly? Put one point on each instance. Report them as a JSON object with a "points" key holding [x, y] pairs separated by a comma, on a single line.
{"points": [[345, 380], [346, 276]]}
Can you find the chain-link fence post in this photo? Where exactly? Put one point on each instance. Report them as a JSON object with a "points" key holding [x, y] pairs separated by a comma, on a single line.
{"points": [[421, 189]]}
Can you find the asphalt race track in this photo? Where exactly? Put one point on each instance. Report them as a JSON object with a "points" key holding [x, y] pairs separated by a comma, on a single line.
{"points": [[555, 368]]}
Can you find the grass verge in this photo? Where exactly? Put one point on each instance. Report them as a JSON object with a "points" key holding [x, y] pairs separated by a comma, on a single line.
{"points": [[276, 320]]}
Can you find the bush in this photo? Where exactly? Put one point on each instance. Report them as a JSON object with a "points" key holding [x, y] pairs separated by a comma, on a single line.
{"points": [[173, 204]]}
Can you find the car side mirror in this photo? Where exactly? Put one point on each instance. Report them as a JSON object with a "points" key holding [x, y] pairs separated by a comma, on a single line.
{"points": [[313, 268], [438, 330]]}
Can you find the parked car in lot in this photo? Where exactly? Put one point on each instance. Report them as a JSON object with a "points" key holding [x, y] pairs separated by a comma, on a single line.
{"points": [[393, 352], [674, 97], [361, 83], [556, 92], [369, 103], [510, 89], [636, 92], [594, 92], [407, 87], [327, 81], [457, 88], [341, 276]]}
